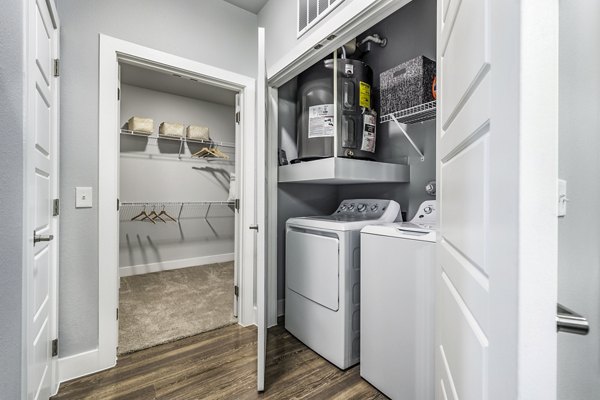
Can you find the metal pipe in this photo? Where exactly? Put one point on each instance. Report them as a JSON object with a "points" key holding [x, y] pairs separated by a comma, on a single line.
{"points": [[375, 38]]}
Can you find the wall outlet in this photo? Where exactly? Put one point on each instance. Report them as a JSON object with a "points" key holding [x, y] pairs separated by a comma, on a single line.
{"points": [[83, 197]]}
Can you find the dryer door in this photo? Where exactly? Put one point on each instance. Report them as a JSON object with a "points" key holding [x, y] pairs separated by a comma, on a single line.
{"points": [[312, 267]]}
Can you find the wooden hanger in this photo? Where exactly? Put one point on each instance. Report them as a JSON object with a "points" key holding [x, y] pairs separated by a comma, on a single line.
{"points": [[153, 216], [163, 212], [211, 151], [142, 214]]}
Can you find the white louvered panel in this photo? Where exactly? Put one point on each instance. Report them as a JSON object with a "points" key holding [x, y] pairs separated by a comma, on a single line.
{"points": [[310, 12]]}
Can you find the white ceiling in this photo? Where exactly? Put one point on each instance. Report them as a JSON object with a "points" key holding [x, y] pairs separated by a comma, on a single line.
{"points": [[254, 6], [167, 83]]}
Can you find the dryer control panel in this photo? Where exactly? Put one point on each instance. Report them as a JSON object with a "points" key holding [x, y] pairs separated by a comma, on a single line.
{"points": [[372, 209]]}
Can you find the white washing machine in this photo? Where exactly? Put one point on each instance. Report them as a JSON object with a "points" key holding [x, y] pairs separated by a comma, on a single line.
{"points": [[322, 271], [397, 306]]}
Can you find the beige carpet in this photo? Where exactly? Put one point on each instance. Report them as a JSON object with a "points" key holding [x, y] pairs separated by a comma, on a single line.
{"points": [[169, 305]]}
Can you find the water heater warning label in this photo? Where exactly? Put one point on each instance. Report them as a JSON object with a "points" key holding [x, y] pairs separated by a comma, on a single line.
{"points": [[365, 95], [320, 121]]}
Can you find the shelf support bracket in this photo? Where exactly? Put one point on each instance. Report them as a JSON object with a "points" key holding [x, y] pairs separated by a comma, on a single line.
{"points": [[408, 137]]}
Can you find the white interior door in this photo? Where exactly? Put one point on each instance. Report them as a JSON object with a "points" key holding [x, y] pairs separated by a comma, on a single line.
{"points": [[496, 275], [42, 188], [261, 223]]}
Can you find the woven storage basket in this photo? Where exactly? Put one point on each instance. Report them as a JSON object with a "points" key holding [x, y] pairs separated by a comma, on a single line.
{"points": [[406, 85], [141, 125], [171, 129], [197, 132]]}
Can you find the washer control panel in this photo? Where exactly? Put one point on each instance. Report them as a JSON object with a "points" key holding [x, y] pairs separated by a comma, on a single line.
{"points": [[427, 213], [369, 209]]}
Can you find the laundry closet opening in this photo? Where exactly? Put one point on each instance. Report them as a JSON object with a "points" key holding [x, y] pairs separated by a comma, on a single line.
{"points": [[356, 148], [178, 207]]}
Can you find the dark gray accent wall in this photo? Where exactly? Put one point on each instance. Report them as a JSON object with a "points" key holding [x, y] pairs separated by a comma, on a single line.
{"points": [[11, 189], [212, 32], [411, 32]]}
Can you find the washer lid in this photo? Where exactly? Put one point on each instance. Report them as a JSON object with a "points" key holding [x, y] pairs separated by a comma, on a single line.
{"points": [[404, 230], [333, 224]]}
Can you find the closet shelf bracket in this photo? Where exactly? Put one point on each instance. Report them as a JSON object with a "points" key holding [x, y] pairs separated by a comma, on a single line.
{"points": [[407, 136]]}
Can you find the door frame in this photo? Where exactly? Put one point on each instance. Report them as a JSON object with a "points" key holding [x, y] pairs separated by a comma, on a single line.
{"points": [[29, 192], [535, 273], [112, 52]]}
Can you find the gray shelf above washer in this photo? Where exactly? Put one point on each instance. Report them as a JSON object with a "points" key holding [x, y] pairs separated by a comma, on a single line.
{"points": [[343, 171]]}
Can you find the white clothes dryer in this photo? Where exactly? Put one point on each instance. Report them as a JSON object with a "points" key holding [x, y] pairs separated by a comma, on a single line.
{"points": [[322, 272], [397, 306]]}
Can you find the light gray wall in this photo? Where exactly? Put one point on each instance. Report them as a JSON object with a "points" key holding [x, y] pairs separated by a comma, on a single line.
{"points": [[279, 18], [11, 189], [579, 164], [168, 179], [212, 32]]}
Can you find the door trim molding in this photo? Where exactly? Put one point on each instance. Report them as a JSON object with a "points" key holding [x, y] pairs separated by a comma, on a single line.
{"points": [[111, 52]]}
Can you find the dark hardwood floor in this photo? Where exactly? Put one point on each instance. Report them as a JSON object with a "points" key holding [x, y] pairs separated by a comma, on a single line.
{"points": [[222, 365]]}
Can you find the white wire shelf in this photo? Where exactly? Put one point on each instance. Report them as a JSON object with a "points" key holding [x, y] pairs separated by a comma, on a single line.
{"points": [[216, 143], [130, 209], [181, 154], [176, 203], [421, 113]]}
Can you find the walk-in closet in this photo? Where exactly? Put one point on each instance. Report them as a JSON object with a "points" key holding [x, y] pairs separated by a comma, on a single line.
{"points": [[177, 218]]}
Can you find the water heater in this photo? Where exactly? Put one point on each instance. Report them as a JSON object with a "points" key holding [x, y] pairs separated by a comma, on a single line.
{"points": [[315, 104]]}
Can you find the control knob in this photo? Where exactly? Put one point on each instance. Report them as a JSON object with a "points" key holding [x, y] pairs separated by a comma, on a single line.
{"points": [[361, 208], [428, 210]]}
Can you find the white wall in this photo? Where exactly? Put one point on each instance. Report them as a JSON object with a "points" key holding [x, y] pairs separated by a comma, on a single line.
{"points": [[579, 164], [212, 32], [11, 196], [169, 179]]}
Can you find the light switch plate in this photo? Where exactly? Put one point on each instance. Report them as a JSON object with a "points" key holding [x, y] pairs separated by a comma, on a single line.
{"points": [[562, 198], [83, 197]]}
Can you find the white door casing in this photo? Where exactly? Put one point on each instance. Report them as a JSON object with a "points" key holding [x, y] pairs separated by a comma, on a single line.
{"points": [[112, 51], [496, 163], [41, 187], [261, 188]]}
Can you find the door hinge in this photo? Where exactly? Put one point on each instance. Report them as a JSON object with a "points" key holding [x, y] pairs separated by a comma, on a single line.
{"points": [[55, 207], [236, 290], [54, 347], [57, 67], [118, 94], [237, 204], [117, 314], [118, 204], [254, 227], [238, 117]]}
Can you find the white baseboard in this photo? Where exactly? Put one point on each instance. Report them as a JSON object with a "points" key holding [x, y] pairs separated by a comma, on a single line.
{"points": [[79, 365], [280, 307], [174, 264]]}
